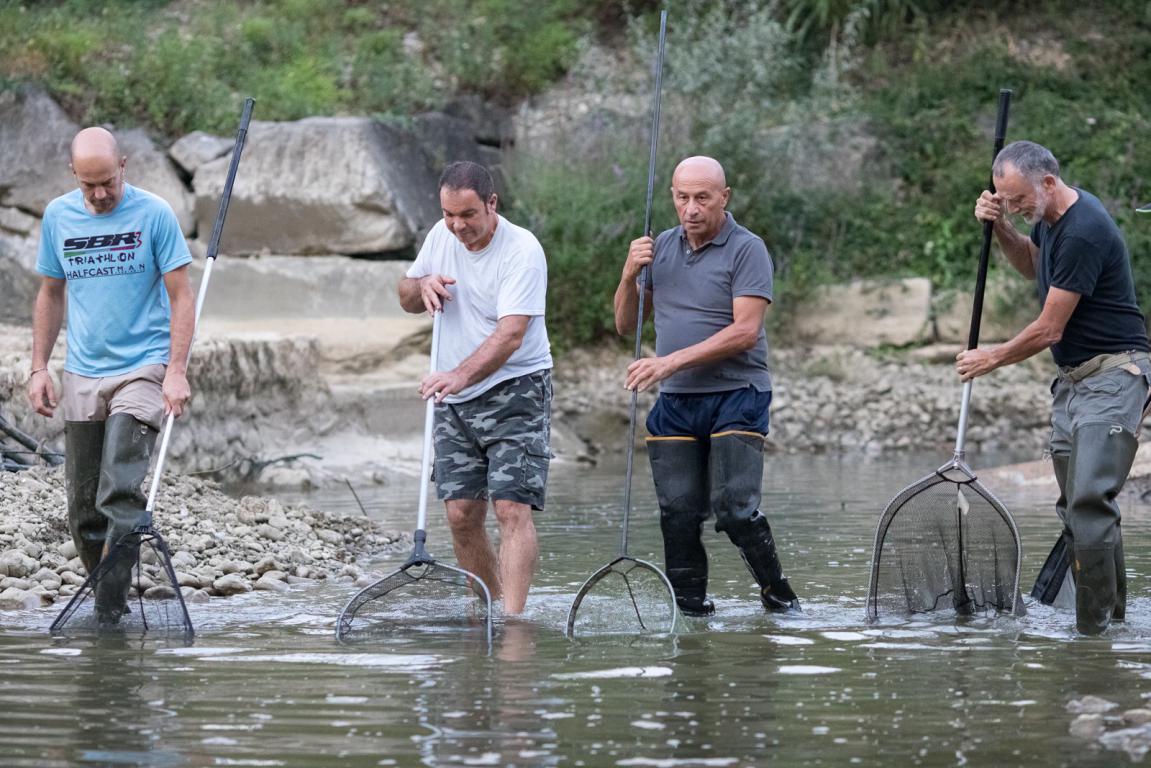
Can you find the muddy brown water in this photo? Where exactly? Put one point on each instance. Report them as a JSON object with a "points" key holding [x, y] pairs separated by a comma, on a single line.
{"points": [[266, 684]]}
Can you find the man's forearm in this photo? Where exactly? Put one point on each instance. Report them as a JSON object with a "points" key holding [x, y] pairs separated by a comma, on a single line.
{"points": [[721, 345], [410, 298], [493, 353], [47, 318], [626, 303], [182, 327], [1017, 247]]}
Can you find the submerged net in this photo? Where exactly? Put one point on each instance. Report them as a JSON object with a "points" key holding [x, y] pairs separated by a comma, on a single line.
{"points": [[626, 596], [420, 596], [154, 604], [945, 543]]}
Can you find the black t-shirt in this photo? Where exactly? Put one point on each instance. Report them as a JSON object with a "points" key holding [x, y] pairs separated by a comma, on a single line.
{"points": [[1084, 253]]}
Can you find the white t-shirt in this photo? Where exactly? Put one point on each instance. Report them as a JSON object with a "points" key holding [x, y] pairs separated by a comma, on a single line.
{"points": [[508, 277]]}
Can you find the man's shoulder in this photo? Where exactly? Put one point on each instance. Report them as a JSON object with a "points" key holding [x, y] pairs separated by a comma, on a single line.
{"points": [[519, 239], [741, 235], [62, 204], [149, 201]]}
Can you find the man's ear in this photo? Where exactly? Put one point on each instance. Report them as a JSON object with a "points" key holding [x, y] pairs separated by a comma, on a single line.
{"points": [[493, 201]]}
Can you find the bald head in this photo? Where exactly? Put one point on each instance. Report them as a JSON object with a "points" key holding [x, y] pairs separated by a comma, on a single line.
{"points": [[700, 168], [99, 167], [95, 142], [700, 193]]}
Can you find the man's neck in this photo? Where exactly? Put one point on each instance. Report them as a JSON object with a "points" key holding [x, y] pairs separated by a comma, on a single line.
{"points": [[1062, 200]]}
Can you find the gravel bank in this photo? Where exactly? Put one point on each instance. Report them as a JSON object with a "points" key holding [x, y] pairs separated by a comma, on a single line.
{"points": [[220, 545], [829, 399]]}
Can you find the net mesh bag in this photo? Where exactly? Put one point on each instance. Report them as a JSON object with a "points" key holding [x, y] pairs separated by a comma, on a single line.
{"points": [[134, 590], [424, 596], [945, 543], [626, 596]]}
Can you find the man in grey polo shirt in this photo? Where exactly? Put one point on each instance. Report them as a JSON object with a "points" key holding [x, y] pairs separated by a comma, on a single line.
{"points": [[709, 283]]}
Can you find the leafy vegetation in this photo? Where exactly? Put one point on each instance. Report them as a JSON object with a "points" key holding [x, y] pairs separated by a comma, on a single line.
{"points": [[180, 66], [856, 133]]}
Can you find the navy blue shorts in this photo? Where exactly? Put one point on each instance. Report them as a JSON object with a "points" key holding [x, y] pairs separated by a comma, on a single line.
{"points": [[710, 413]]}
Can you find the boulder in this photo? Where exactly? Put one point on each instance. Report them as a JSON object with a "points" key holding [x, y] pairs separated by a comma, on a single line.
{"points": [[866, 313], [348, 185], [36, 136], [150, 169], [15, 221], [191, 151], [18, 287], [490, 124]]}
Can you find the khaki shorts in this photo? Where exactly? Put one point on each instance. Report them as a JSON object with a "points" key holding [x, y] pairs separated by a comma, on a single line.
{"points": [[138, 392]]}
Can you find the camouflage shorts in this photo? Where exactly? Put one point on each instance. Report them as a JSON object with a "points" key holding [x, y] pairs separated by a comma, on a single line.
{"points": [[496, 445]]}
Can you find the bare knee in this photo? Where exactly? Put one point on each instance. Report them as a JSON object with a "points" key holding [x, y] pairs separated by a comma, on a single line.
{"points": [[513, 516], [466, 517]]}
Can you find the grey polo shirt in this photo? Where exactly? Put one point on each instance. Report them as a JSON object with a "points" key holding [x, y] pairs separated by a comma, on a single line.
{"points": [[692, 296]]}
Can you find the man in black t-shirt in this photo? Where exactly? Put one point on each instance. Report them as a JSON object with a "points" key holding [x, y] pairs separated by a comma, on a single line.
{"points": [[1092, 324]]}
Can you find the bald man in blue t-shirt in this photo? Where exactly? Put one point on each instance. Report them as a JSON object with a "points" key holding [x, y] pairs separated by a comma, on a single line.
{"points": [[709, 284], [114, 256]]}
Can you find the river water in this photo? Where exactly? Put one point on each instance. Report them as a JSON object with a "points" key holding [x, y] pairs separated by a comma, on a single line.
{"points": [[266, 684]]}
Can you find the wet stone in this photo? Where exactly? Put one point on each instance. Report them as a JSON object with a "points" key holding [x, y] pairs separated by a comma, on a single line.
{"points": [[1090, 705], [231, 584], [1088, 727], [12, 599], [1138, 716]]}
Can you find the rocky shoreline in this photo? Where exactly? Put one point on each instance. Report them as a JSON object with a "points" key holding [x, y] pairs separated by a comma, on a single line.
{"points": [[220, 545]]}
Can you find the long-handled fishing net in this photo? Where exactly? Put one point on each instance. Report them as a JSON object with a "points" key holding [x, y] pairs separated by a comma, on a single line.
{"points": [[628, 594], [946, 542], [155, 603], [423, 593]]}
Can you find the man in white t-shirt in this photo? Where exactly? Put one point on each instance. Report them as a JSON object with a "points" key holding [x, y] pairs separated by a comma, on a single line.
{"points": [[493, 385]]}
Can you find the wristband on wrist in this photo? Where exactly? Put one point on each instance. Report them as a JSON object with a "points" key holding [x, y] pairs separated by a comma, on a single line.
{"points": [[36, 371]]}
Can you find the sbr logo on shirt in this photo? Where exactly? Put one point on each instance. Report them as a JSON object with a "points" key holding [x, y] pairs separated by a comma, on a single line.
{"points": [[124, 241], [102, 255]]}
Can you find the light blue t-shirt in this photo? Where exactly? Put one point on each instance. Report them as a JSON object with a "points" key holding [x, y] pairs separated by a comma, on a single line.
{"points": [[118, 312]]}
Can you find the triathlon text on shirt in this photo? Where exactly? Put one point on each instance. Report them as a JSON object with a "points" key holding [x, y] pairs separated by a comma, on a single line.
{"points": [[102, 255]]}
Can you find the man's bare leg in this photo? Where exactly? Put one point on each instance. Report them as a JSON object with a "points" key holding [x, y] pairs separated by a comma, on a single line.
{"points": [[518, 553], [470, 541]]}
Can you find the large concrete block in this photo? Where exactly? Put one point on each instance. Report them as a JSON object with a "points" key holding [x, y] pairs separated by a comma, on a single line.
{"points": [[322, 185]]}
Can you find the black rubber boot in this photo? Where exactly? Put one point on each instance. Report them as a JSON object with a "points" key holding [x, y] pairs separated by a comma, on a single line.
{"points": [[679, 469], [1052, 585], [735, 471], [1101, 457], [83, 447], [128, 447]]}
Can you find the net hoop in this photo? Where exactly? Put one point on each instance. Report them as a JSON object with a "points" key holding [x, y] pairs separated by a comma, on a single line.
{"points": [[958, 473], [344, 629]]}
